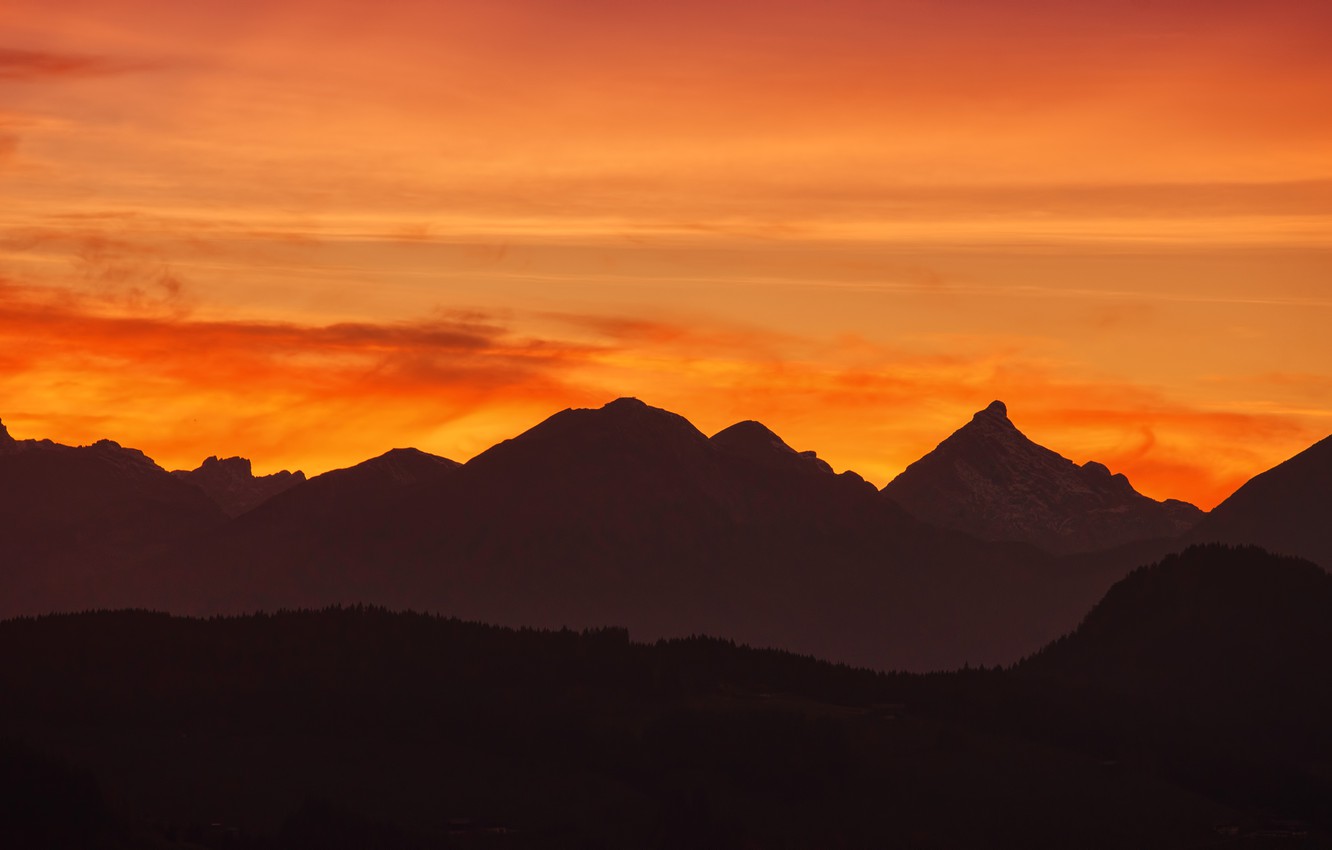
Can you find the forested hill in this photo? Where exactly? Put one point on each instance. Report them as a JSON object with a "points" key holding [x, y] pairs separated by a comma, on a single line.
{"points": [[358, 727]]}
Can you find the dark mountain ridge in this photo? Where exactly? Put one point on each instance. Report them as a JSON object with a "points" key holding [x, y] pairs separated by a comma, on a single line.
{"points": [[628, 514], [625, 514], [70, 515]]}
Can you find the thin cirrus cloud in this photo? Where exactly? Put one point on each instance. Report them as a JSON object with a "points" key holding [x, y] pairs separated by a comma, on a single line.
{"points": [[37, 65]]}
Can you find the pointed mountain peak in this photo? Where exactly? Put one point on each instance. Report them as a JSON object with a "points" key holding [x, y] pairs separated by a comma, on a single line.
{"points": [[992, 420], [989, 479], [995, 409]]}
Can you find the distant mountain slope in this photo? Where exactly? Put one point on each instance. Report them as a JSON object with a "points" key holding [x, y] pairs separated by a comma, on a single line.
{"points": [[232, 483], [319, 541], [71, 516], [988, 479], [1287, 509]]}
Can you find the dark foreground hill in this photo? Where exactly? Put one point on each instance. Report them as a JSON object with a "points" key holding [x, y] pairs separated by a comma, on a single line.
{"points": [[1224, 638], [362, 728], [1216, 663]]}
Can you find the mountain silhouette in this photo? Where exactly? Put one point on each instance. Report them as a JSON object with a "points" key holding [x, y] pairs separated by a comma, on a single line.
{"points": [[1287, 509], [628, 515], [72, 517], [231, 483], [623, 515], [988, 479], [319, 541]]}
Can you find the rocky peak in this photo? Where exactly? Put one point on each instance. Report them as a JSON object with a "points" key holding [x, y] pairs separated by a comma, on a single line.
{"points": [[992, 423], [994, 411], [231, 483], [234, 467], [988, 479], [8, 445], [126, 460]]}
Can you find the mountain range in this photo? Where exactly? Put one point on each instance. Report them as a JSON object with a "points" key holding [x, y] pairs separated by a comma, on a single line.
{"points": [[982, 551]]}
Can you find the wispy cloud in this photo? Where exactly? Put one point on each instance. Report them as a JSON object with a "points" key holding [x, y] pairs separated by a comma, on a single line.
{"points": [[183, 386], [283, 391], [27, 65]]}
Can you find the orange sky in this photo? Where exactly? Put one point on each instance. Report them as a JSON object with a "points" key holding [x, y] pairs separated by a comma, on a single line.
{"points": [[306, 232]]}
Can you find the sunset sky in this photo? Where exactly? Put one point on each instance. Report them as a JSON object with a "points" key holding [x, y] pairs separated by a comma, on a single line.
{"points": [[308, 232]]}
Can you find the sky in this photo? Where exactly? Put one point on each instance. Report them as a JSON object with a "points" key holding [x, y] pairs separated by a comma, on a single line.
{"points": [[307, 232]]}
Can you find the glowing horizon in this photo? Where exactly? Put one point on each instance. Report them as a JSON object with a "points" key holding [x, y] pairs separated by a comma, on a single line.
{"points": [[307, 232]]}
